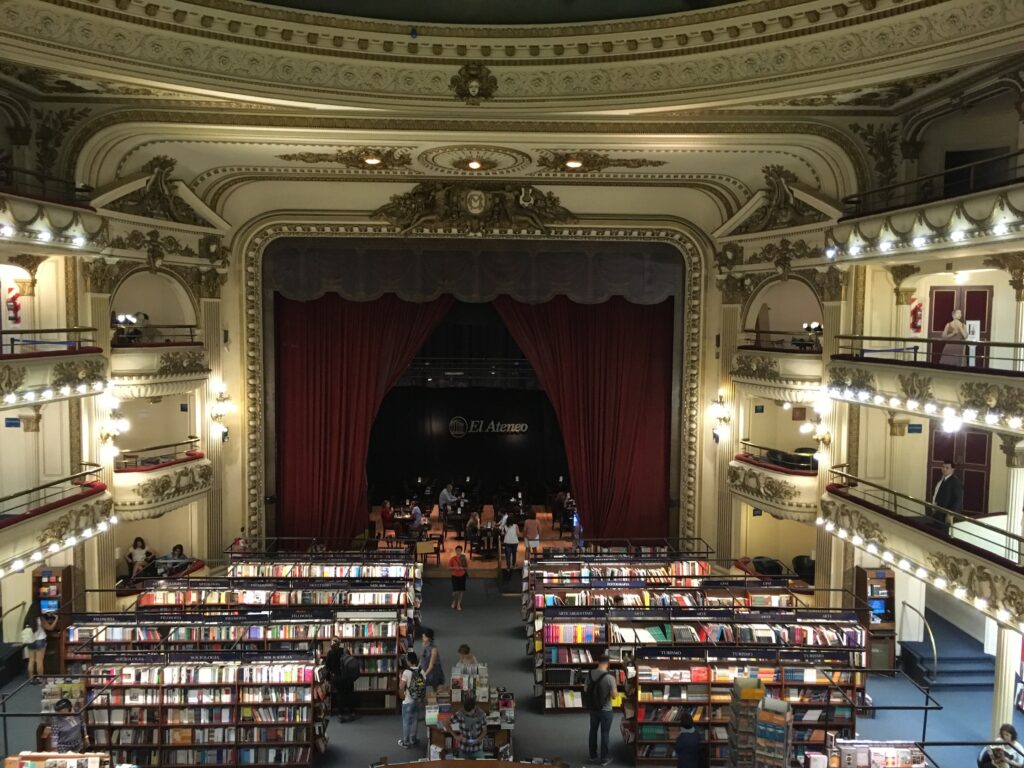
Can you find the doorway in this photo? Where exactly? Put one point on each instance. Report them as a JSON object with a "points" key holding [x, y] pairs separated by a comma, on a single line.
{"points": [[970, 450], [975, 302]]}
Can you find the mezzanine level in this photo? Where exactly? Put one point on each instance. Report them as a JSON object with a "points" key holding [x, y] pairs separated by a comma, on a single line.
{"points": [[49, 364], [155, 479]]}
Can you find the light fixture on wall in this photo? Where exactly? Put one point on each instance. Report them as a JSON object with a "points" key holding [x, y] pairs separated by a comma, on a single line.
{"points": [[720, 413], [218, 409], [114, 426]]}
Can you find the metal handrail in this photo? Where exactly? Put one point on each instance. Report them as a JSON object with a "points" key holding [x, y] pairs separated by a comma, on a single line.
{"points": [[27, 181], [949, 513], [19, 336], [855, 204], [798, 458], [190, 440], [926, 340], [931, 636], [82, 473], [136, 453]]}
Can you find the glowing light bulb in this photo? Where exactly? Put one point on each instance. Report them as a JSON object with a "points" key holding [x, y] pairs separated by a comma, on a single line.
{"points": [[573, 164], [957, 235], [44, 236], [921, 573], [930, 408], [819, 520], [29, 397], [37, 556], [856, 539], [872, 548], [806, 428], [70, 541], [855, 250], [980, 603], [47, 394], [830, 253], [81, 389], [475, 165], [113, 519], [787, 406], [1000, 229], [970, 414], [960, 593], [371, 160], [18, 565], [78, 241], [991, 418], [53, 548], [919, 242], [885, 245], [912, 405], [940, 583], [863, 395], [888, 556], [841, 533], [103, 525], [1014, 422], [1003, 615], [830, 526], [10, 398], [65, 390], [7, 230], [894, 402], [904, 564]]}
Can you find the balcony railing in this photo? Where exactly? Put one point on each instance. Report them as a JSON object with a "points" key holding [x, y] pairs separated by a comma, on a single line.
{"points": [[153, 335], [799, 460], [807, 342], [46, 341], [953, 182], [157, 456], [982, 535], [55, 493], [26, 182], [934, 353]]}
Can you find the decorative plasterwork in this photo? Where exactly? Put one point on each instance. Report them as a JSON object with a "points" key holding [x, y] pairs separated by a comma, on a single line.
{"points": [[156, 245], [783, 376], [473, 208], [473, 84], [158, 197], [1013, 264], [101, 276], [204, 283], [148, 372], [38, 374], [380, 158], [77, 517], [775, 491], [491, 159], [71, 373], [690, 245], [882, 142], [143, 495], [51, 126], [982, 582], [146, 387], [914, 386], [756, 367], [182, 362], [853, 519], [992, 397], [315, 53], [843, 377], [30, 263], [11, 378], [589, 161], [65, 223], [883, 95], [785, 252], [780, 209]]}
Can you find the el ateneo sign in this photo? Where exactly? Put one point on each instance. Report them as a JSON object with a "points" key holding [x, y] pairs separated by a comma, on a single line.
{"points": [[459, 427]]}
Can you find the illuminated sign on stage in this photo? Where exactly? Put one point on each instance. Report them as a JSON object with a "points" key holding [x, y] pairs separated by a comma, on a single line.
{"points": [[459, 427]]}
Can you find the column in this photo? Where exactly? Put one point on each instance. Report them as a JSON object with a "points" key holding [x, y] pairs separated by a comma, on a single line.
{"points": [[1018, 332], [827, 547], [213, 446], [726, 444], [1008, 646], [1014, 452], [97, 555]]}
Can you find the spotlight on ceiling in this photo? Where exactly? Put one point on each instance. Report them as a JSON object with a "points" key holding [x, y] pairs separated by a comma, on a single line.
{"points": [[573, 164], [474, 165]]}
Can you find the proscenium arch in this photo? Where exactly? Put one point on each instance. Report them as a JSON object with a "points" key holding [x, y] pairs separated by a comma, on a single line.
{"points": [[694, 248]]}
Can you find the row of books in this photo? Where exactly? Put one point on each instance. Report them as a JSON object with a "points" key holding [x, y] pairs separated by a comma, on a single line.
{"points": [[699, 673], [202, 674], [322, 570], [618, 598], [378, 629], [814, 635], [575, 633], [271, 597]]}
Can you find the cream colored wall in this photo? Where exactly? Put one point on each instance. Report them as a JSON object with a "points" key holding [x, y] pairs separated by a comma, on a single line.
{"points": [[770, 537], [158, 423], [179, 526], [990, 124], [791, 304], [775, 427], [158, 295]]}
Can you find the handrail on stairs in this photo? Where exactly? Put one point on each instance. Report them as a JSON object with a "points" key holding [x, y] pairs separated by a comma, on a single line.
{"points": [[13, 608], [931, 636]]}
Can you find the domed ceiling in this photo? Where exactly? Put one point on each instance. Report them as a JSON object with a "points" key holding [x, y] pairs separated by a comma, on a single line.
{"points": [[500, 11]]}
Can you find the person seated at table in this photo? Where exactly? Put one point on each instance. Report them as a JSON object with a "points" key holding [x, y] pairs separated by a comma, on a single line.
{"points": [[175, 563], [416, 521], [138, 558], [446, 500], [387, 517], [473, 525]]}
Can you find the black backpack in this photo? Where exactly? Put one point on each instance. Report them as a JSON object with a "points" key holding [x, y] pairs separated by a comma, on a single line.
{"points": [[350, 669], [595, 698]]}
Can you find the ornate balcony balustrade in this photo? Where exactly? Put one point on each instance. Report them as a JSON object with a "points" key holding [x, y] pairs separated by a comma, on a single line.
{"points": [[781, 365], [158, 361], [47, 364], [762, 478], [151, 481]]}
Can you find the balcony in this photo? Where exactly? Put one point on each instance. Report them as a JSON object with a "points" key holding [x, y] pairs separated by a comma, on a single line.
{"points": [[49, 364], [977, 384], [51, 511], [781, 365], [26, 182], [976, 559], [157, 360], [781, 482], [151, 481]]}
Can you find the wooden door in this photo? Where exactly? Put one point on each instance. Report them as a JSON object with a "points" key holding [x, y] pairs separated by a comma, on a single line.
{"points": [[974, 301], [971, 451]]}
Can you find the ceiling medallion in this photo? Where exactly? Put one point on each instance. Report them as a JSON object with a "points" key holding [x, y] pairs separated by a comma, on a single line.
{"points": [[473, 84], [588, 161], [377, 158], [474, 158]]}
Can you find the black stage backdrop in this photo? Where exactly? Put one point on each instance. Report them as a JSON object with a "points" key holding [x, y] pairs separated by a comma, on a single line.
{"points": [[443, 435]]}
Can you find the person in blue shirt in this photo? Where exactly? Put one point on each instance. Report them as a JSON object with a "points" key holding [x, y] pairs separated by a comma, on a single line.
{"points": [[688, 744]]}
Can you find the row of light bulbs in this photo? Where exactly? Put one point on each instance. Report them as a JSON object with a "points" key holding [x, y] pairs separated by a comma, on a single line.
{"points": [[41, 235], [952, 419], [958, 591], [48, 393], [19, 564], [999, 229]]}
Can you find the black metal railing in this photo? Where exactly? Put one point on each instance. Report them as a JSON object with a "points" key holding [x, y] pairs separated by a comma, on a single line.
{"points": [[26, 182], [781, 341], [35, 340], [923, 514], [996, 355], [952, 182], [131, 335], [154, 455], [19, 504], [800, 459]]}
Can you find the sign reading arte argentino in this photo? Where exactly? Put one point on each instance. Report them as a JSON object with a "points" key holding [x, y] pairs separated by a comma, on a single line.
{"points": [[459, 427]]}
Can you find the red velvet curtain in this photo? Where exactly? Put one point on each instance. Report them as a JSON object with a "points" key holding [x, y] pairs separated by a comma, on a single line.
{"points": [[336, 359], [608, 371]]}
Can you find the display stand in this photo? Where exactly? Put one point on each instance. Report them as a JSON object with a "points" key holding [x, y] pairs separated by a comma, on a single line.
{"points": [[853, 753], [875, 589], [54, 590], [496, 702], [773, 746], [58, 760], [745, 699]]}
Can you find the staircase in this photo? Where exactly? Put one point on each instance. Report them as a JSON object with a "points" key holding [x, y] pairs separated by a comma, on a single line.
{"points": [[963, 664]]}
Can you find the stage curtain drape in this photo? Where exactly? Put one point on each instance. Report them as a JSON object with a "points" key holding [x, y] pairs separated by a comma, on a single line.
{"points": [[608, 371], [336, 359]]}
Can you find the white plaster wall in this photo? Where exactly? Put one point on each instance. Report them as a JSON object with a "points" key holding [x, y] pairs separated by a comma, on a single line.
{"points": [[771, 537], [791, 304], [775, 427], [158, 423], [159, 296], [179, 526]]}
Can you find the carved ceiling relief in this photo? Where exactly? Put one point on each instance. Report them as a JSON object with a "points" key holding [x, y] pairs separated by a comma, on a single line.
{"points": [[589, 161], [882, 143], [203, 283], [785, 252], [900, 273], [159, 199], [762, 485], [842, 377], [473, 84], [156, 246], [364, 158], [474, 207], [729, 257], [102, 276], [51, 127], [782, 209]]}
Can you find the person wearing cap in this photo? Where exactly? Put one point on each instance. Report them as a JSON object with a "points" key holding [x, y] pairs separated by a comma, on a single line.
{"points": [[688, 744], [66, 731]]}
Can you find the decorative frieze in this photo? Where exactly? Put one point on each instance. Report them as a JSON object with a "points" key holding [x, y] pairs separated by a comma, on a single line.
{"points": [[781, 209], [842, 377], [71, 373], [914, 386], [882, 143], [756, 367], [1012, 263], [589, 161], [362, 158], [183, 362], [158, 198], [77, 518], [473, 84], [760, 484], [102, 276], [853, 519], [11, 378], [150, 494]]}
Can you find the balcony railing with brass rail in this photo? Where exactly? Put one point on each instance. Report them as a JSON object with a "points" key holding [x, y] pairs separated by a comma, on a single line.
{"points": [[1002, 356], [799, 460], [806, 342], [989, 173], [46, 341], [55, 493], [153, 335], [977, 533], [155, 456]]}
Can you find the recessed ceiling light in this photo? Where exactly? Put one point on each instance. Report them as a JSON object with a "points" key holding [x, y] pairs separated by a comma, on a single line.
{"points": [[573, 164], [371, 160], [474, 165]]}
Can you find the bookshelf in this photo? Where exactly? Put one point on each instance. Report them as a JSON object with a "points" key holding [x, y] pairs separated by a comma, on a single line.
{"points": [[498, 703], [773, 745], [53, 587], [58, 760], [182, 709], [379, 643], [875, 590], [849, 753]]}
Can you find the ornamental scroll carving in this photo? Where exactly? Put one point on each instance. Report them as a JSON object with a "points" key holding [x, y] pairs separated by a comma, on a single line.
{"points": [[756, 367], [841, 377], [474, 208], [11, 378], [590, 161], [853, 520], [87, 515], [204, 283], [980, 582], [729, 257], [186, 481], [782, 209], [882, 142], [1013, 264], [178, 363], [363, 158], [101, 276], [156, 246], [760, 484], [473, 84], [158, 198], [993, 397], [71, 373], [914, 386]]}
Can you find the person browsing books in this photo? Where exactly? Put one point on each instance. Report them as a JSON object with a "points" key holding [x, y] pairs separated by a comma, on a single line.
{"points": [[458, 564], [411, 689], [600, 690], [472, 728], [66, 731], [688, 744], [1007, 753]]}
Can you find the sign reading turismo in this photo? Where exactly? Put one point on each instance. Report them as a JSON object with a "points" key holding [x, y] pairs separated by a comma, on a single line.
{"points": [[459, 427]]}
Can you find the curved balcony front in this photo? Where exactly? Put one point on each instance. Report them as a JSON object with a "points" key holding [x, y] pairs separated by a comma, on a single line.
{"points": [[155, 361], [779, 365], [49, 364], [149, 482], [782, 483]]}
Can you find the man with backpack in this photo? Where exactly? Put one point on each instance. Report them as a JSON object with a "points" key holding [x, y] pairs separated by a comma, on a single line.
{"points": [[412, 687], [349, 670], [600, 690]]}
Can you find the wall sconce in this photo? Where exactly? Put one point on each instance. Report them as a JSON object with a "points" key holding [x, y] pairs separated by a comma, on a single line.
{"points": [[113, 427], [220, 408], [720, 413]]}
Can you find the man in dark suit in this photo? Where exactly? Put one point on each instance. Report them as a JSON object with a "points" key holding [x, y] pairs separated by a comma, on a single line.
{"points": [[948, 494]]}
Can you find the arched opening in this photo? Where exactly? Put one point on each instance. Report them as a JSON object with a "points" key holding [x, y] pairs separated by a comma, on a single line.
{"points": [[779, 310], [156, 294]]}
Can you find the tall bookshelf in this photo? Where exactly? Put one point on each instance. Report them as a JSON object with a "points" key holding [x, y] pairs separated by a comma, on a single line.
{"points": [[53, 589], [875, 589], [273, 593], [175, 709], [378, 643]]}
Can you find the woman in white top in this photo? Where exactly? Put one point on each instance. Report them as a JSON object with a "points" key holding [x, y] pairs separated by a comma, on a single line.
{"points": [[1007, 754], [511, 542], [138, 557]]}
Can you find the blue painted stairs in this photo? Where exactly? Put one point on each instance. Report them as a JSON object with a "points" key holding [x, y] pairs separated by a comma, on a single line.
{"points": [[962, 664]]}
